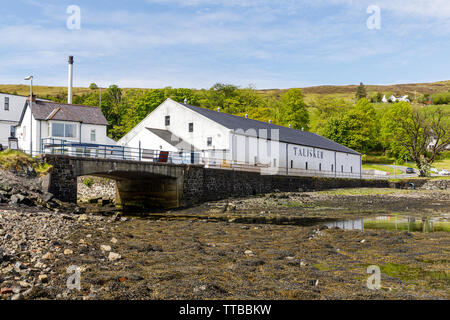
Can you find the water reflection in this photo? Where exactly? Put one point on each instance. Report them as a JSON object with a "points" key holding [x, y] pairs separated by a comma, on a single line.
{"points": [[388, 222]]}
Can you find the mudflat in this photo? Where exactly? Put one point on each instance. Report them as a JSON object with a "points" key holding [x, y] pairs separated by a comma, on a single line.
{"points": [[276, 246]]}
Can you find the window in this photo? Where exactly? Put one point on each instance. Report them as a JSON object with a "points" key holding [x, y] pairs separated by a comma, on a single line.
{"points": [[332, 168], [209, 141], [58, 130], [351, 169], [342, 168], [13, 132], [6, 103], [70, 131], [167, 120], [64, 130], [275, 163], [24, 133], [93, 135], [191, 127], [320, 167], [292, 164], [306, 167]]}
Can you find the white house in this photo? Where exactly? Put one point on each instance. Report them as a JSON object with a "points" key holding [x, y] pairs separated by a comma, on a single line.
{"points": [[11, 109], [226, 140], [70, 123]]}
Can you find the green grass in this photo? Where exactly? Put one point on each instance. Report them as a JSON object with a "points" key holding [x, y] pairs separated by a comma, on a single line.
{"points": [[17, 159], [363, 191]]}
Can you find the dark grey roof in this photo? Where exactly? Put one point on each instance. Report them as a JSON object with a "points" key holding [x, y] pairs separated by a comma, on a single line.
{"points": [[49, 110], [172, 139], [287, 135]]}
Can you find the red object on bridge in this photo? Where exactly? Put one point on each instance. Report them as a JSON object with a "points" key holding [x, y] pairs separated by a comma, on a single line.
{"points": [[163, 157]]}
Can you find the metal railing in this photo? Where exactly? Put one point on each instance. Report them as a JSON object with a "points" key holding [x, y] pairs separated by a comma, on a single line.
{"points": [[217, 159]]}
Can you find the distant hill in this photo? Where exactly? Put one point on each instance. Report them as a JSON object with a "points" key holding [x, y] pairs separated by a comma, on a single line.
{"points": [[344, 91]]}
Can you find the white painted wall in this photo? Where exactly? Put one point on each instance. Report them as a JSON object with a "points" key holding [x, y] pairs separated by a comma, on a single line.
{"points": [[43, 129], [180, 117], [244, 147], [10, 117]]}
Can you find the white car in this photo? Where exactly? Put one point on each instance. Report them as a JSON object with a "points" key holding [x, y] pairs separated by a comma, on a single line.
{"points": [[434, 170], [444, 172]]}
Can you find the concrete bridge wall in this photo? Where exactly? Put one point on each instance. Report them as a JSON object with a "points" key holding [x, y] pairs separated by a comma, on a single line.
{"points": [[143, 185]]}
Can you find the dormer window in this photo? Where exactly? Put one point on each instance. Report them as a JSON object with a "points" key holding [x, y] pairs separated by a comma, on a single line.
{"points": [[167, 121]]}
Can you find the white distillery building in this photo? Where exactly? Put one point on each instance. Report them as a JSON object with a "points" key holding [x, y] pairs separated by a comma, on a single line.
{"points": [[54, 123], [218, 139]]}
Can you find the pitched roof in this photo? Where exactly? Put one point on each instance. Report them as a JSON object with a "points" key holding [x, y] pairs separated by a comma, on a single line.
{"points": [[172, 139], [287, 135], [49, 110]]}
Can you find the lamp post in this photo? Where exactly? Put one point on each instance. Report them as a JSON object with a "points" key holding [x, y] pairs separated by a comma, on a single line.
{"points": [[30, 78]]}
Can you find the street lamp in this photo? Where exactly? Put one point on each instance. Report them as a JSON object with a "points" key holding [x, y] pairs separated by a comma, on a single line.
{"points": [[30, 78]]}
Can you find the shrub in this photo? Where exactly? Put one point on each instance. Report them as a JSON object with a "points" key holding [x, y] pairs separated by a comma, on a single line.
{"points": [[88, 182]]}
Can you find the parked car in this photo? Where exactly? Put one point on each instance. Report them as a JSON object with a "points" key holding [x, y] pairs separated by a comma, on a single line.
{"points": [[409, 170], [444, 172], [434, 170]]}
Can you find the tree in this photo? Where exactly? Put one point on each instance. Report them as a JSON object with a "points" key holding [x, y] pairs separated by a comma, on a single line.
{"points": [[361, 92], [425, 134], [390, 129], [93, 86], [293, 110], [357, 128]]}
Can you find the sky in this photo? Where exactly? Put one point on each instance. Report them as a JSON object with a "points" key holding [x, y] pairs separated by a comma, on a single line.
{"points": [[197, 43]]}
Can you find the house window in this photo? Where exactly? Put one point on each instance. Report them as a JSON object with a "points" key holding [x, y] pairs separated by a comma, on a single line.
{"points": [[320, 167], [342, 168], [6, 103], [24, 133], [70, 130], [64, 130], [13, 132], [167, 120], [209, 141], [93, 135], [292, 164], [191, 127], [275, 163], [351, 169], [306, 166]]}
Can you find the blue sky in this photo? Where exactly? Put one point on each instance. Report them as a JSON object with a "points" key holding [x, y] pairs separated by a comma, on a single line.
{"points": [[196, 43]]}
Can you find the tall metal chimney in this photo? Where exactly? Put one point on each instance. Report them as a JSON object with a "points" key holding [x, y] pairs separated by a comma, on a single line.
{"points": [[70, 93]]}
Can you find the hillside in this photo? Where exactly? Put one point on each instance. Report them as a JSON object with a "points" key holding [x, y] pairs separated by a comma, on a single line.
{"points": [[346, 92]]}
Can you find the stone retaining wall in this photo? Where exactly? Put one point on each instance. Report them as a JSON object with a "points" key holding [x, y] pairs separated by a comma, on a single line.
{"points": [[202, 184]]}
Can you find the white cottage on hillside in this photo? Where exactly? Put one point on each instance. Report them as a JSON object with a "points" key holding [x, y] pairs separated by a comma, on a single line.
{"points": [[231, 140], [61, 122], [11, 109]]}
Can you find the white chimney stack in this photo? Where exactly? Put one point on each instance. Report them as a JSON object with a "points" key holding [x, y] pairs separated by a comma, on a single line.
{"points": [[70, 84]]}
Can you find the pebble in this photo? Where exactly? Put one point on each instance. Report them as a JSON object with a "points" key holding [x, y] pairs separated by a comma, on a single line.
{"points": [[114, 240], [105, 248], [48, 256], [68, 252], [43, 278], [114, 256]]}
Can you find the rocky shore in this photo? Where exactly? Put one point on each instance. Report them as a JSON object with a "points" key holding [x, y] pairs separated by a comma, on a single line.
{"points": [[233, 249]]}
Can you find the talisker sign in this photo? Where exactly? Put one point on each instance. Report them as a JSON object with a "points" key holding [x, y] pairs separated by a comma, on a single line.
{"points": [[309, 153]]}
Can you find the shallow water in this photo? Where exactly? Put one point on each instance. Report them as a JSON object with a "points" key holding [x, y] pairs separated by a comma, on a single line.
{"points": [[394, 222]]}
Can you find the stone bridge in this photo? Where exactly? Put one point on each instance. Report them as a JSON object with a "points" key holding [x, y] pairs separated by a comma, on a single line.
{"points": [[142, 185]]}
